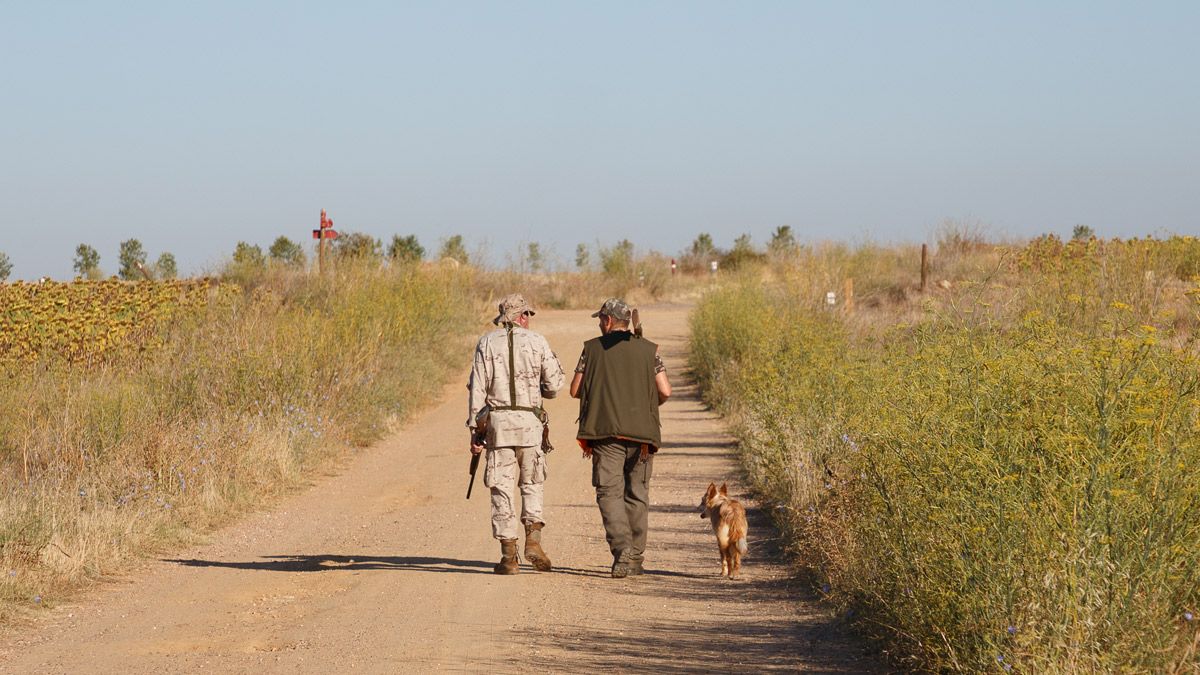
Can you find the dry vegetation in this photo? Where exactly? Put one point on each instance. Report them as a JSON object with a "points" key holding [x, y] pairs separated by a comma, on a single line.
{"points": [[621, 273], [142, 413], [996, 475]]}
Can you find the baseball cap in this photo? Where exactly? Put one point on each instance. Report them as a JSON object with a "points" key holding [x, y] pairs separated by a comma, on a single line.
{"points": [[511, 307], [616, 309]]}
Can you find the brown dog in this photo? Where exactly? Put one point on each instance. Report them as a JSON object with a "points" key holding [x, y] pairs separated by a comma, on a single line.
{"points": [[729, 524]]}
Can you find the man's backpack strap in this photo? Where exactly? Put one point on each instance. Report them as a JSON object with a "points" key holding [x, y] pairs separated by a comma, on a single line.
{"points": [[512, 383]]}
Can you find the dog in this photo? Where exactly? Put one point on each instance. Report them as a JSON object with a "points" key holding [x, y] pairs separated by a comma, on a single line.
{"points": [[728, 519]]}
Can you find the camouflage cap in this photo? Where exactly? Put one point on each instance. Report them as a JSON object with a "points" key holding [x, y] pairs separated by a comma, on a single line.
{"points": [[511, 307], [616, 309]]}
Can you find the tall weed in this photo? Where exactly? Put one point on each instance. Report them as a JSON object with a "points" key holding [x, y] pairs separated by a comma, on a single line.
{"points": [[987, 485], [240, 399]]}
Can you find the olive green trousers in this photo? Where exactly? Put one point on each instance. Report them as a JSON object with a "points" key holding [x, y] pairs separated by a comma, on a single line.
{"points": [[622, 482]]}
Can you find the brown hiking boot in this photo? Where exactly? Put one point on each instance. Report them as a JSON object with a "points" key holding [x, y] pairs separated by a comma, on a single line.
{"points": [[533, 547], [508, 557], [622, 566], [635, 567]]}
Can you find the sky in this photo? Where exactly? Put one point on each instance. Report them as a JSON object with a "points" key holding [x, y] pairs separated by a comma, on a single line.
{"points": [[194, 125]]}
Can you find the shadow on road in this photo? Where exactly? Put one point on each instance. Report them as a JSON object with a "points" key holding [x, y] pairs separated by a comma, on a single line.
{"points": [[729, 644], [333, 563], [329, 563]]}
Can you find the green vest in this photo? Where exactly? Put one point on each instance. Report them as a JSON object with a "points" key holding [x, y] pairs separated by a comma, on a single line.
{"points": [[619, 396]]}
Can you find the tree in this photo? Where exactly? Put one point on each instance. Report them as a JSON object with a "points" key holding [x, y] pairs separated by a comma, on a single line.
{"points": [[357, 245], [582, 256], [782, 241], [287, 252], [5, 266], [700, 254], [131, 257], [703, 247], [165, 266], [87, 262], [405, 249], [1082, 232], [535, 258], [248, 256], [743, 252], [617, 260], [454, 249]]}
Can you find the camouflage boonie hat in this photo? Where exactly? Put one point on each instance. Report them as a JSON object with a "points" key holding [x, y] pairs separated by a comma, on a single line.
{"points": [[616, 309], [511, 307]]}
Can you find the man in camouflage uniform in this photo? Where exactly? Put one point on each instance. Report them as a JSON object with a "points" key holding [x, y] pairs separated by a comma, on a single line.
{"points": [[514, 369], [620, 382]]}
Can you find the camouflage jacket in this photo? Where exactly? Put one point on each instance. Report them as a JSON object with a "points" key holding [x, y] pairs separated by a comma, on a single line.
{"points": [[538, 375]]}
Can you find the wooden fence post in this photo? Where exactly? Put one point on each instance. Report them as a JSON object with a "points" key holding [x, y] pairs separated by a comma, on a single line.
{"points": [[848, 292], [924, 265]]}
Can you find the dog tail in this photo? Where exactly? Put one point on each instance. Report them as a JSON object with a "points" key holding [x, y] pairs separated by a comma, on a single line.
{"points": [[738, 527]]}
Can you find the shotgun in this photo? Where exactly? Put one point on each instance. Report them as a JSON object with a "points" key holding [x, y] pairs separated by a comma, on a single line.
{"points": [[474, 468], [478, 438]]}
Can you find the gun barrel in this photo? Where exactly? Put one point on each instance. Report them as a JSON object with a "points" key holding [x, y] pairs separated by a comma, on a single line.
{"points": [[473, 469]]}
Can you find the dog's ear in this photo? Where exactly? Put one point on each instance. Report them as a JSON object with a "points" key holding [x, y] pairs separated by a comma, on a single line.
{"points": [[712, 489], [724, 489]]}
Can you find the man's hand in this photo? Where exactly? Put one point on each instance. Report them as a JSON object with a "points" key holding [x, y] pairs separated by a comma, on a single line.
{"points": [[477, 444]]}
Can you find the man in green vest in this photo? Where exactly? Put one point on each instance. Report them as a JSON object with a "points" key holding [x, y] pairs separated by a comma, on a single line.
{"points": [[620, 382]]}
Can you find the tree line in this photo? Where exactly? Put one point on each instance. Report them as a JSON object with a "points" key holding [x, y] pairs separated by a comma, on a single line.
{"points": [[132, 259], [348, 245]]}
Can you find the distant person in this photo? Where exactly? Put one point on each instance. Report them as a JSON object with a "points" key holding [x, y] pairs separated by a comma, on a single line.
{"points": [[514, 369], [620, 383]]}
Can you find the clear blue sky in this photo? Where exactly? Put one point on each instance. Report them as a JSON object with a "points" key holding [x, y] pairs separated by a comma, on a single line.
{"points": [[191, 126]]}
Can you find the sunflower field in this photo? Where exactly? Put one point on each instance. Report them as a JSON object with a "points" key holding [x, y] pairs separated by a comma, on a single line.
{"points": [[89, 322]]}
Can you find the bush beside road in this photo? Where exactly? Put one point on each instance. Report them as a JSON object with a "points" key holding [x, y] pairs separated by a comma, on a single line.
{"points": [[999, 474]]}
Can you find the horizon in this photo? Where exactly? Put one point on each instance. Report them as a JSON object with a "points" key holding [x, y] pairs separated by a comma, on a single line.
{"points": [[558, 262], [191, 128]]}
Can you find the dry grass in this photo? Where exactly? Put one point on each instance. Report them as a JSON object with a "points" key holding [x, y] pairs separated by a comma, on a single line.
{"points": [[237, 403], [647, 280], [996, 475]]}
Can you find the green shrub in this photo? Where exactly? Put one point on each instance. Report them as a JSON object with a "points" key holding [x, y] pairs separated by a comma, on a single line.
{"points": [[987, 487]]}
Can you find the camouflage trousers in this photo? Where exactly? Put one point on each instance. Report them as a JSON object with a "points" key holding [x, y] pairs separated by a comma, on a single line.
{"points": [[507, 470]]}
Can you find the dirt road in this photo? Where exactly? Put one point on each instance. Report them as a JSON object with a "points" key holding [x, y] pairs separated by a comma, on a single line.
{"points": [[386, 568]]}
